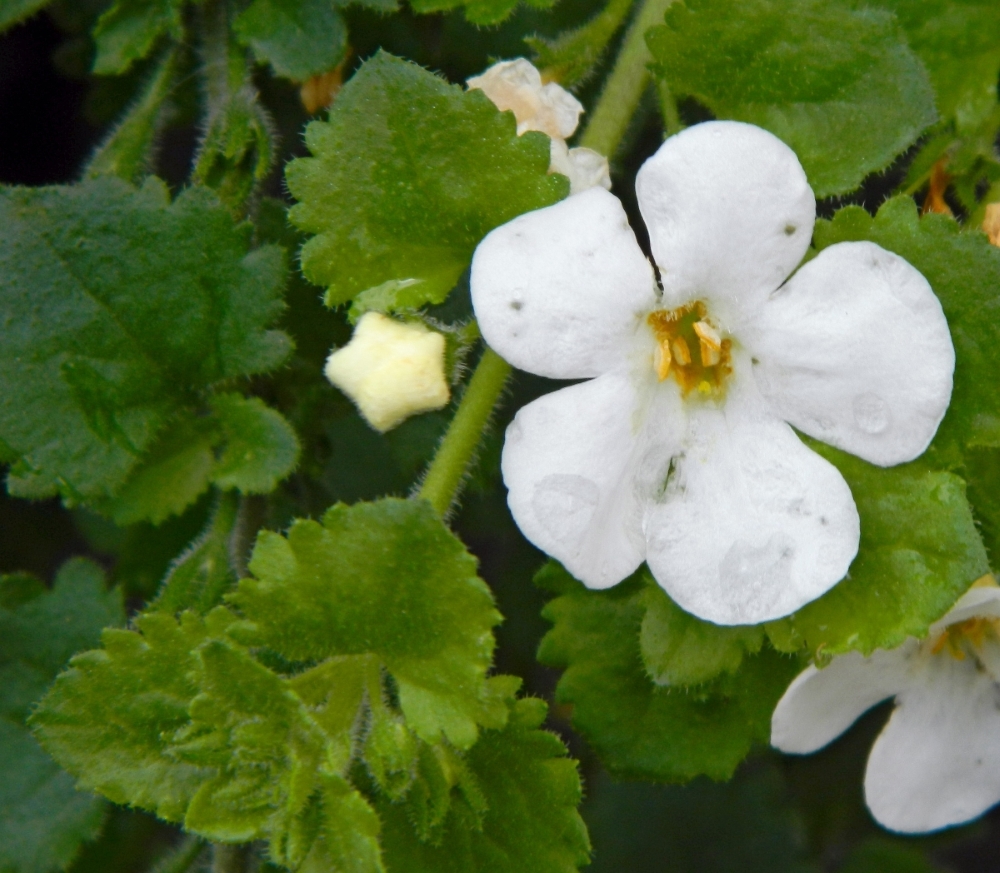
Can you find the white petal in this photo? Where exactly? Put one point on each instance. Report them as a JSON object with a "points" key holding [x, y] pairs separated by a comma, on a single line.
{"points": [[752, 525], [563, 290], [821, 704], [730, 215], [580, 465], [937, 762], [855, 350], [978, 602]]}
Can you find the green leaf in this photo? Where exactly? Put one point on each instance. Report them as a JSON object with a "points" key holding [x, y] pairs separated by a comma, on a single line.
{"points": [[13, 11], [44, 818], [407, 176], [573, 56], [679, 649], [298, 38], [813, 72], [112, 718], [387, 579], [957, 41], [880, 855], [347, 838], [964, 271], [146, 304], [482, 12], [920, 550], [640, 729], [261, 448], [202, 574], [529, 791], [128, 31]]}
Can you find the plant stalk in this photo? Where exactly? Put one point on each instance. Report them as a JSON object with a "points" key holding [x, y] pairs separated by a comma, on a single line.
{"points": [[625, 85], [228, 858], [458, 448], [183, 858]]}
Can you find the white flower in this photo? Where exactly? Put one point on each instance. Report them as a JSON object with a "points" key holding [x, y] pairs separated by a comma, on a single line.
{"points": [[390, 370], [516, 85], [937, 761], [678, 450]]}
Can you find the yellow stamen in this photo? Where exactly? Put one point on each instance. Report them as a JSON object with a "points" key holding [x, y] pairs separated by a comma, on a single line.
{"points": [[689, 348], [681, 351], [662, 360]]}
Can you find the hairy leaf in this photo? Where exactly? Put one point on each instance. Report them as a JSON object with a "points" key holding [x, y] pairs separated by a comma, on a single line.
{"points": [[119, 309], [298, 38], [128, 31], [573, 56], [528, 790], [407, 176], [964, 271], [45, 819], [387, 579], [813, 72], [920, 550], [640, 729]]}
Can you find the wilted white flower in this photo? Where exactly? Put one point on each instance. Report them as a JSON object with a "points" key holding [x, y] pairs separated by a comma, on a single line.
{"points": [[516, 85], [937, 761], [390, 370], [678, 449]]}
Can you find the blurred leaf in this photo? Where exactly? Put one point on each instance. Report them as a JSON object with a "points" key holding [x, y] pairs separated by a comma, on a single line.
{"points": [[573, 56], [920, 551], [964, 271], [482, 12], [128, 31], [13, 11], [880, 855], [388, 579], [679, 649], [407, 176], [813, 72], [298, 38], [147, 303], [639, 729], [44, 819], [530, 791]]}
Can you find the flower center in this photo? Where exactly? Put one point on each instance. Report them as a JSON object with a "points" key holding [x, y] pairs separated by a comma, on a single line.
{"points": [[966, 637], [690, 348]]}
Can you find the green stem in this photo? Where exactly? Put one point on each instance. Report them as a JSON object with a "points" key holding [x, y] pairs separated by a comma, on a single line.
{"points": [[126, 153], [228, 858], [625, 85], [245, 523], [446, 472], [183, 857]]}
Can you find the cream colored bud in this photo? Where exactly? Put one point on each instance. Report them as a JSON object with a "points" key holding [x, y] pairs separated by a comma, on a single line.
{"points": [[585, 168], [516, 85], [390, 370]]}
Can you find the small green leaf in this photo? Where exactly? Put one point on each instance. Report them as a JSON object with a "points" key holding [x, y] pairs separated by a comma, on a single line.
{"points": [[679, 649], [146, 304], [388, 579], [261, 448], [964, 271], [813, 72], [573, 56], [44, 818], [407, 176], [482, 12], [112, 717], [529, 791], [920, 550], [639, 729], [298, 38], [128, 31], [13, 11]]}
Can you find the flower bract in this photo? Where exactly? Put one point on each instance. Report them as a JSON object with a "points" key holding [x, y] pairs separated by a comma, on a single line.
{"points": [[937, 761], [679, 448], [390, 370]]}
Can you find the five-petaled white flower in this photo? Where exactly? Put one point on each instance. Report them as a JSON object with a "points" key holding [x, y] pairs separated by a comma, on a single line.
{"points": [[517, 86], [678, 449], [937, 761]]}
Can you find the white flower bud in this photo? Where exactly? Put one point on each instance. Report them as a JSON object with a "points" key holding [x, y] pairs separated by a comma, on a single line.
{"points": [[585, 168], [390, 370]]}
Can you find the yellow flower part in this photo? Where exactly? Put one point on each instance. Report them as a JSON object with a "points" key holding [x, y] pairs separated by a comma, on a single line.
{"points": [[390, 370]]}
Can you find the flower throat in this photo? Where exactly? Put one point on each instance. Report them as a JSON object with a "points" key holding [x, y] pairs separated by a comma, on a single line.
{"points": [[690, 349]]}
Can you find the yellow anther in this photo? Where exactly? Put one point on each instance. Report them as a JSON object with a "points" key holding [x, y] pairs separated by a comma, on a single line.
{"points": [[662, 360], [709, 343], [682, 353]]}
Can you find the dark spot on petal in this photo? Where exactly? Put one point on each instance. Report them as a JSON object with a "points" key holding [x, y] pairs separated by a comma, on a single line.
{"points": [[790, 229], [516, 305]]}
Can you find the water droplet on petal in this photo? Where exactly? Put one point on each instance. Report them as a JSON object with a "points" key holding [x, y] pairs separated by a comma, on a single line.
{"points": [[756, 576], [871, 413], [564, 504]]}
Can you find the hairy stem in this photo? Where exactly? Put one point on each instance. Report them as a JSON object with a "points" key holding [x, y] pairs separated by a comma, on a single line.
{"points": [[249, 519], [625, 85], [183, 858], [446, 472], [128, 151]]}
